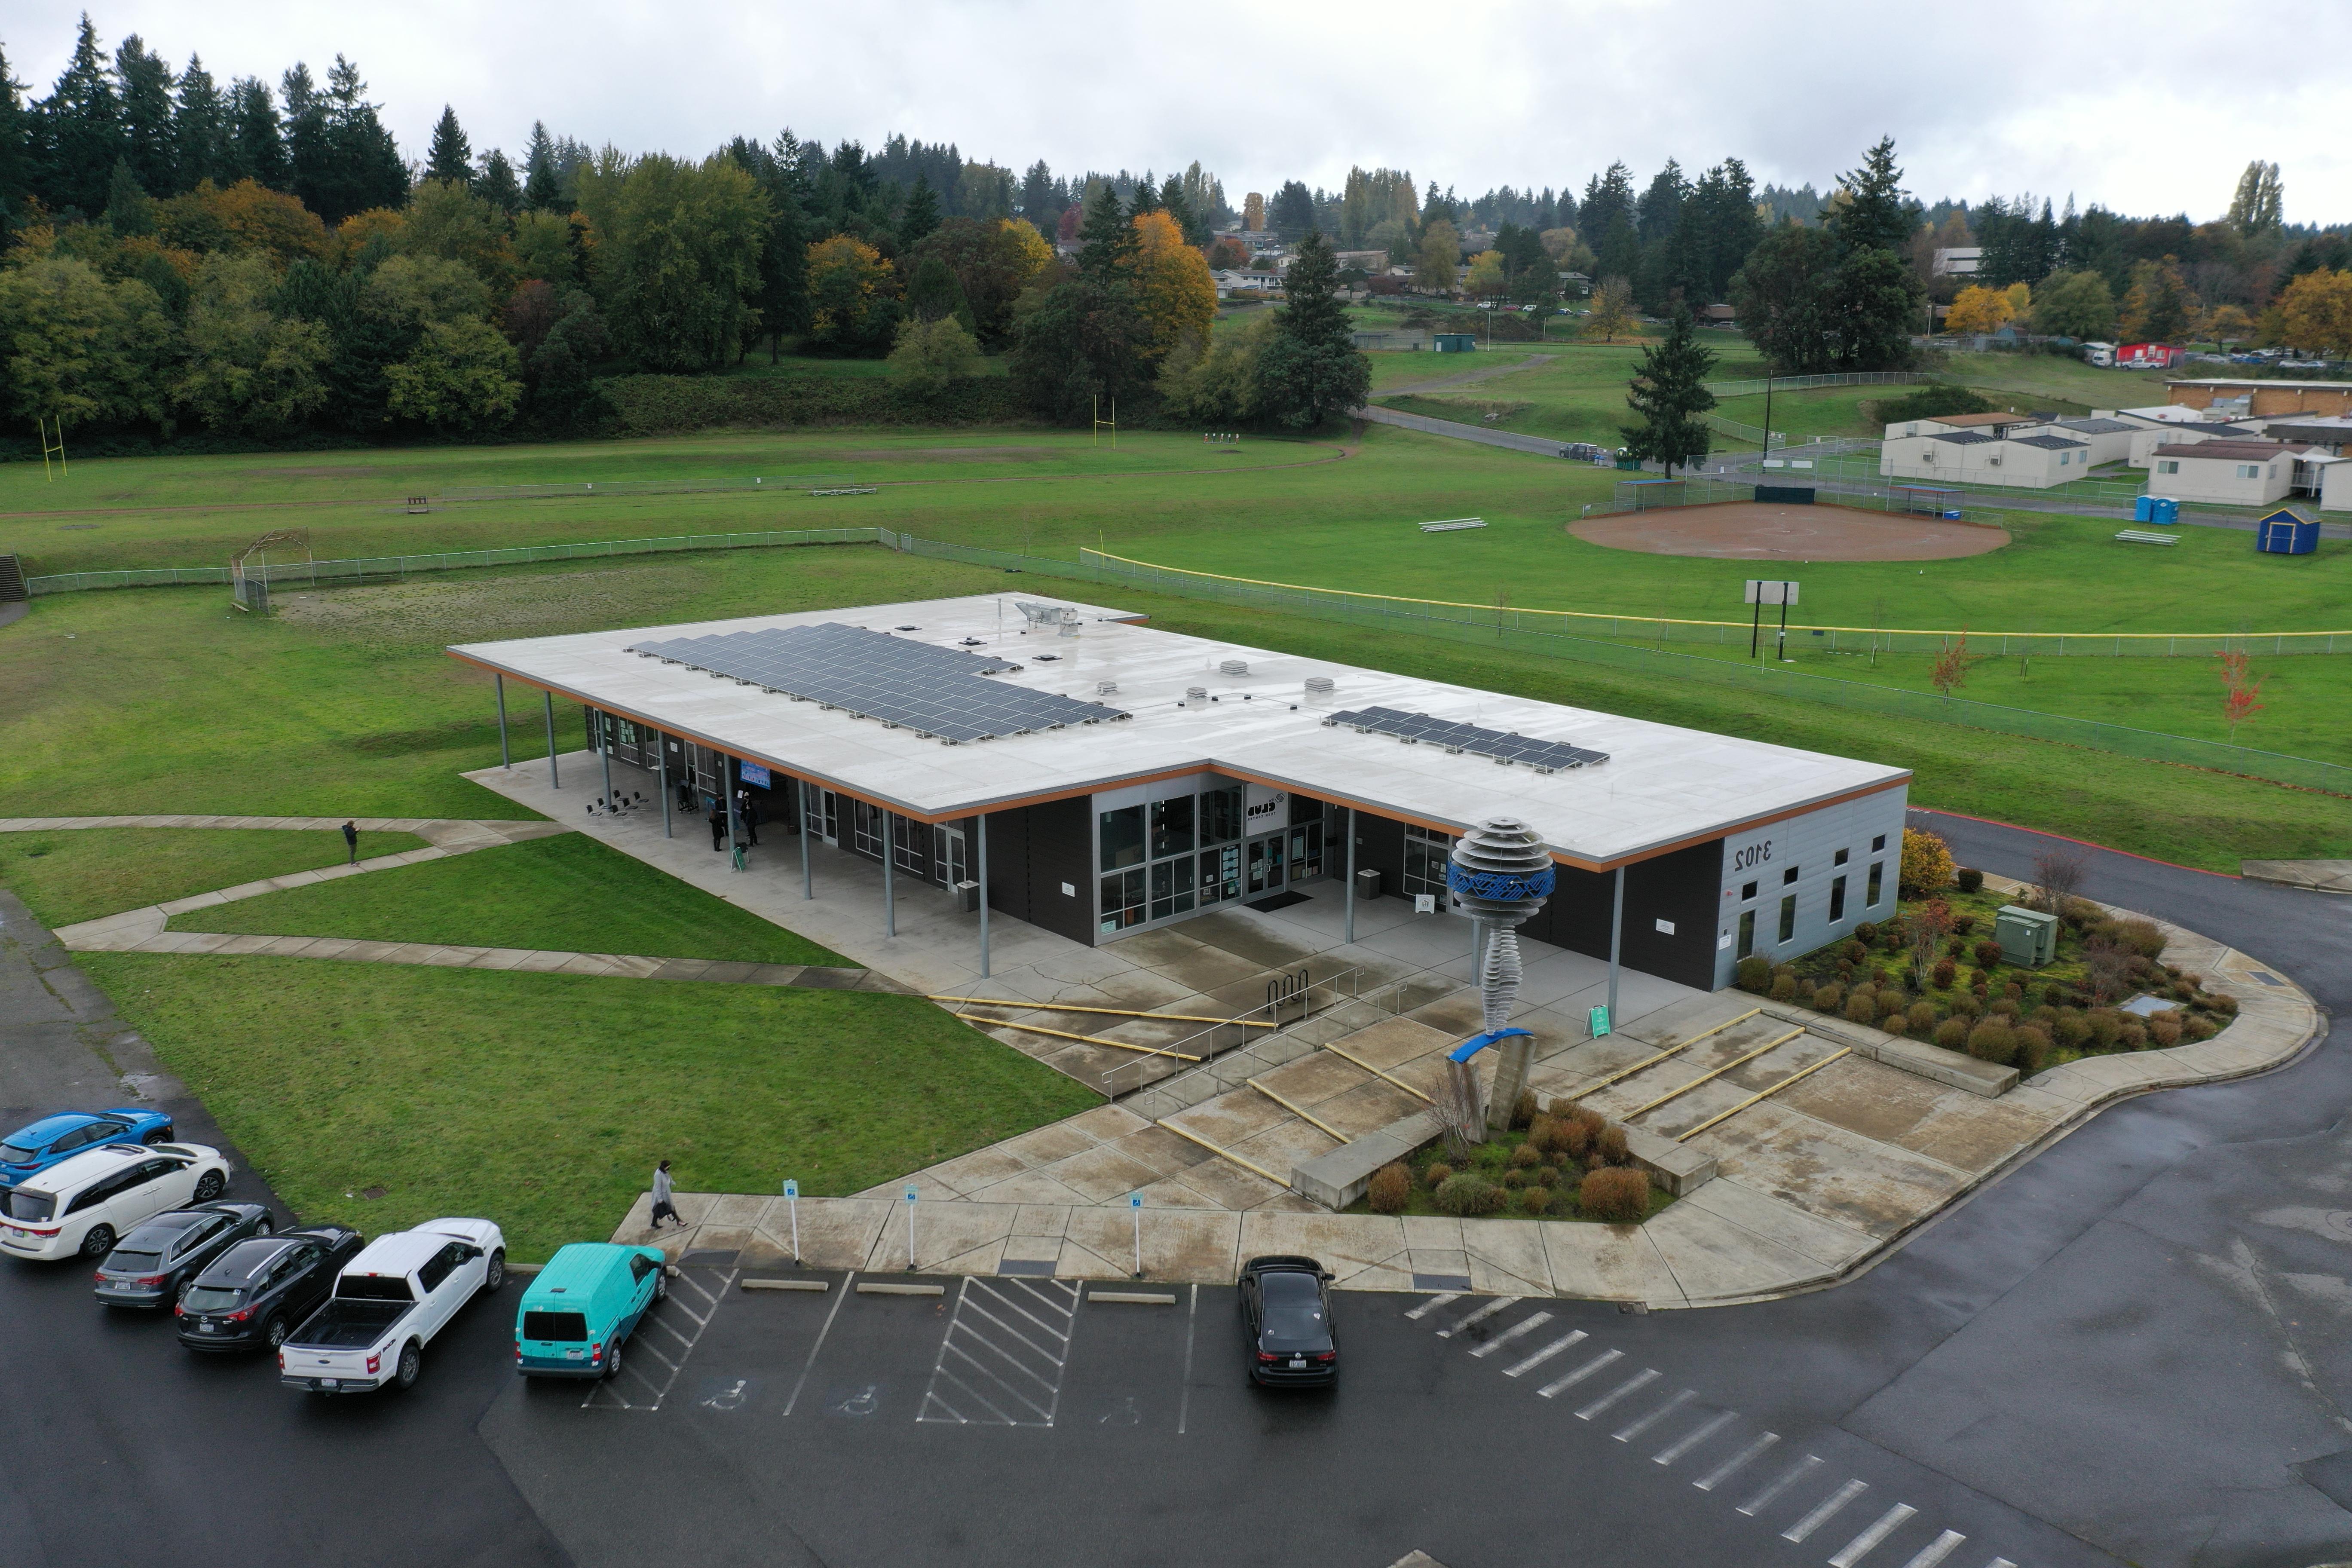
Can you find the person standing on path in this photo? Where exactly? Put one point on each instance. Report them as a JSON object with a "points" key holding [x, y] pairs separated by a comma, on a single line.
{"points": [[664, 1192], [351, 840], [718, 828]]}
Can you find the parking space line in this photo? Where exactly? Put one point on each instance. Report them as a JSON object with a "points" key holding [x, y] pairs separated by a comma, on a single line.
{"points": [[1676, 1450], [1501, 1303], [1796, 1472], [1824, 1510], [1010, 1354], [810, 1365], [1546, 1353], [1863, 1545], [1738, 1462], [1514, 1331], [1582, 1373], [606, 1393], [1633, 1384], [1935, 1551], [1445, 1299], [2000, 1563], [1628, 1434]]}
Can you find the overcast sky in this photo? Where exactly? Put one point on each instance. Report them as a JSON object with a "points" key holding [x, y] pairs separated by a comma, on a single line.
{"points": [[2148, 107]]}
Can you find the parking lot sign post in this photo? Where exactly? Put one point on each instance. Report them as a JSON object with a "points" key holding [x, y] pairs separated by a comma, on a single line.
{"points": [[1135, 1207], [910, 1227], [792, 1201]]}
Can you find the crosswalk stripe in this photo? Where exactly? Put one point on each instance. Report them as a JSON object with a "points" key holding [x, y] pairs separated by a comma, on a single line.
{"points": [[1633, 1384], [1514, 1331], [1669, 1455], [1824, 1510], [1432, 1304], [1546, 1353], [1935, 1551], [1582, 1373], [1627, 1434], [1481, 1315], [1863, 1545], [1796, 1472]]}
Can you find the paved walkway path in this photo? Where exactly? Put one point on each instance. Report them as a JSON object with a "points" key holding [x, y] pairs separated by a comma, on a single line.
{"points": [[2319, 876], [1460, 432]]}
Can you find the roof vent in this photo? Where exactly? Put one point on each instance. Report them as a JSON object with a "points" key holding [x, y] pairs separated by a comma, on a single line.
{"points": [[1106, 687], [1235, 666], [1319, 686], [1196, 694]]}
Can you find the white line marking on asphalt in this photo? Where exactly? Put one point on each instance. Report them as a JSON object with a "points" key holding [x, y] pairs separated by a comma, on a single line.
{"points": [[1582, 1373], [608, 1391], [1627, 1434], [1824, 1512], [811, 1364], [1184, 1405], [1863, 1545], [1514, 1331], [1546, 1353], [1935, 1551], [1434, 1303], [1669, 1455], [1796, 1472], [1633, 1384], [2000, 1563], [1734, 1465], [1010, 1341], [1500, 1303]]}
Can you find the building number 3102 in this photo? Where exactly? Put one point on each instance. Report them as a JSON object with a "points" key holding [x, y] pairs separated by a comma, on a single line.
{"points": [[1755, 854]]}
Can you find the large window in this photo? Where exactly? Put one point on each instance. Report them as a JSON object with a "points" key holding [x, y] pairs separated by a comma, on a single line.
{"points": [[1171, 827], [1221, 874], [1220, 814], [1747, 932], [1122, 837], [1122, 900], [1877, 880], [1788, 918], [1425, 852], [1171, 887], [1837, 900]]}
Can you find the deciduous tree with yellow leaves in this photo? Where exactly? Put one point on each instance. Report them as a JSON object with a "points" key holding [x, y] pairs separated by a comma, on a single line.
{"points": [[2315, 311], [1173, 285]]}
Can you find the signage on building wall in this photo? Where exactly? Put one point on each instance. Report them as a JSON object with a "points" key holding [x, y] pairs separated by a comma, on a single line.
{"points": [[1265, 809], [752, 773]]}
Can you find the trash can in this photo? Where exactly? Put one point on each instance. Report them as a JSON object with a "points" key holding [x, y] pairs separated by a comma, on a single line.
{"points": [[1368, 883], [2027, 937], [968, 897]]}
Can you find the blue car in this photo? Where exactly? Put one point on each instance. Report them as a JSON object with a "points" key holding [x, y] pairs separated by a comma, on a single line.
{"points": [[32, 1150]]}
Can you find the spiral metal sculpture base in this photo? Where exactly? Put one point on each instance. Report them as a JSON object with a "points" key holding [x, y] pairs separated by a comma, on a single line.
{"points": [[1502, 874]]}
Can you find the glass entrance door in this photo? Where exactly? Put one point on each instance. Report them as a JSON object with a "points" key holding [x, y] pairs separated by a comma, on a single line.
{"points": [[1266, 862]]}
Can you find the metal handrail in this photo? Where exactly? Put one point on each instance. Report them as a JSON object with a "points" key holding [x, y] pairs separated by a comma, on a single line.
{"points": [[1251, 1047]]}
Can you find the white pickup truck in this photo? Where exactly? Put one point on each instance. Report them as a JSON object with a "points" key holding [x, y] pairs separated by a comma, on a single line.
{"points": [[388, 1303]]}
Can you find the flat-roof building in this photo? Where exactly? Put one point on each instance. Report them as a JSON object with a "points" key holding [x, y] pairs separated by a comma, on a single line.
{"points": [[1112, 777]]}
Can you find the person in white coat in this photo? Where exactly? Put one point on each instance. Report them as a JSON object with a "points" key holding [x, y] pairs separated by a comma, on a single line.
{"points": [[663, 1208]]}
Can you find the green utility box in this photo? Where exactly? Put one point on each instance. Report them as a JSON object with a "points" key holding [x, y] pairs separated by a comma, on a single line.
{"points": [[2027, 936]]}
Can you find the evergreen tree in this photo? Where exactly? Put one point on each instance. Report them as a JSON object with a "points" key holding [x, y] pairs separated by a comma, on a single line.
{"points": [[1172, 202], [16, 156], [344, 161], [542, 190], [498, 185], [308, 154], [451, 156], [128, 209], [1872, 214], [1293, 210], [1107, 242], [254, 146], [783, 296], [1310, 368], [146, 89], [199, 128], [1669, 393], [1041, 202], [81, 130], [919, 216]]}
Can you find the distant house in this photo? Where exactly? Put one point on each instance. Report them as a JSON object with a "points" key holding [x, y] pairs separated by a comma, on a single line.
{"points": [[1716, 315], [2110, 440], [1959, 261], [2266, 398], [2035, 460], [2145, 442], [1994, 425], [2231, 473], [1363, 260]]}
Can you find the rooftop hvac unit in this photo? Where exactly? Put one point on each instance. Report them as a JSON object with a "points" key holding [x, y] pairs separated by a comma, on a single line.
{"points": [[1063, 617]]}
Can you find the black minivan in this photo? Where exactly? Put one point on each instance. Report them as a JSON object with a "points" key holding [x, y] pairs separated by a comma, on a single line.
{"points": [[253, 1294], [1286, 1320]]}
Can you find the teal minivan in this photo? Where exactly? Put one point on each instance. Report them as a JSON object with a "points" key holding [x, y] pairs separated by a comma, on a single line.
{"points": [[584, 1304]]}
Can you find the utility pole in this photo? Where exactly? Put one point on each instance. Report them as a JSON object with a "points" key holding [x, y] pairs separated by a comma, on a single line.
{"points": [[1768, 412]]}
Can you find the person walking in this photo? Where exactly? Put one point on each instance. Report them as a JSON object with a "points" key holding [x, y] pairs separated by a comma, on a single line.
{"points": [[748, 813], [352, 841], [718, 828], [663, 1194]]}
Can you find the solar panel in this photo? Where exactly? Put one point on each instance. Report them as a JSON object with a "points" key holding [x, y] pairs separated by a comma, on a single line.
{"points": [[940, 693], [1503, 746]]}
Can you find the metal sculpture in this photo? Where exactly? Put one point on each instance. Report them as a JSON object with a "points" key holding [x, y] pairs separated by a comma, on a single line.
{"points": [[1501, 874]]}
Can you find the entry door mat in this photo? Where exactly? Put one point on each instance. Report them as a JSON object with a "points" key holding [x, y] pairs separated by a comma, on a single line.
{"points": [[1278, 901]]}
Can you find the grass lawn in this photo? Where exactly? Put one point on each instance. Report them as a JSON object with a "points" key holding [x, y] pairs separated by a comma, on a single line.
{"points": [[84, 873], [566, 894], [545, 1100]]}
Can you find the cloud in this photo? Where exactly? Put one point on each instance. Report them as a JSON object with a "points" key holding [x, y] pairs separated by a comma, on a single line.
{"points": [[2133, 105]]}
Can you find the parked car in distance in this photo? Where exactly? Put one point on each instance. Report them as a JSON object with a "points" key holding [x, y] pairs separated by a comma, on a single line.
{"points": [[82, 1204], [33, 1148], [1286, 1320], [388, 1303], [148, 1266], [583, 1307], [254, 1293]]}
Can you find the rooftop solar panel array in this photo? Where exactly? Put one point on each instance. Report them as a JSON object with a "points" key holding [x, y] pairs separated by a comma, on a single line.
{"points": [[940, 693], [1422, 729]]}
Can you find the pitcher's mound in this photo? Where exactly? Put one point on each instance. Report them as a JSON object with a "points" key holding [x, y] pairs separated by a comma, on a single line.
{"points": [[1768, 531]]}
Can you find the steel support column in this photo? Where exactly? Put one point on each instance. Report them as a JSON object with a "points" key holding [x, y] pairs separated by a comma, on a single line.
{"points": [[554, 781], [983, 895], [1616, 941], [499, 682], [889, 891]]}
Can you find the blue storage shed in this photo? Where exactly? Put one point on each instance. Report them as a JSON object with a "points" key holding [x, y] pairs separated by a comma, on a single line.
{"points": [[2287, 532]]}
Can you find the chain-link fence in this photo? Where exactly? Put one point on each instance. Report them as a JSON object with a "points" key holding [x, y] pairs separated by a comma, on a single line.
{"points": [[1800, 382]]}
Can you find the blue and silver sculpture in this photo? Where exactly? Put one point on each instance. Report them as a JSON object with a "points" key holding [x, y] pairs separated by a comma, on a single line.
{"points": [[1501, 874]]}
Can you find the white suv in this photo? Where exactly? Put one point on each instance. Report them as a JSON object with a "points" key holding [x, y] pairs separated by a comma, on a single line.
{"points": [[82, 1205]]}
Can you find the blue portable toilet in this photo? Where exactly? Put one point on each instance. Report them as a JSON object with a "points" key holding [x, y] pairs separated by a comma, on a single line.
{"points": [[2287, 532], [2164, 510], [2143, 509]]}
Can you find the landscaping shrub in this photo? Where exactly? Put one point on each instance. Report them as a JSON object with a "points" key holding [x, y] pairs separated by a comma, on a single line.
{"points": [[1753, 975], [1994, 1043], [1988, 954], [2107, 1026], [1574, 1139], [1490, 1156], [2032, 1049], [1952, 1034], [1945, 972], [1437, 1174], [1546, 1175], [2072, 1030], [1967, 1003], [2164, 1029], [1535, 1200], [2004, 1007], [1921, 1019], [1390, 1190], [1784, 986], [1861, 1006], [1963, 923], [1515, 1177], [1970, 878], [1619, 1196], [2225, 1006], [1892, 1003], [1829, 998], [1523, 1109], [1866, 933], [1466, 1196], [2142, 937], [1526, 1155], [2200, 1027], [1927, 864], [1610, 1145], [2132, 1036], [1543, 1132], [1929, 402]]}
